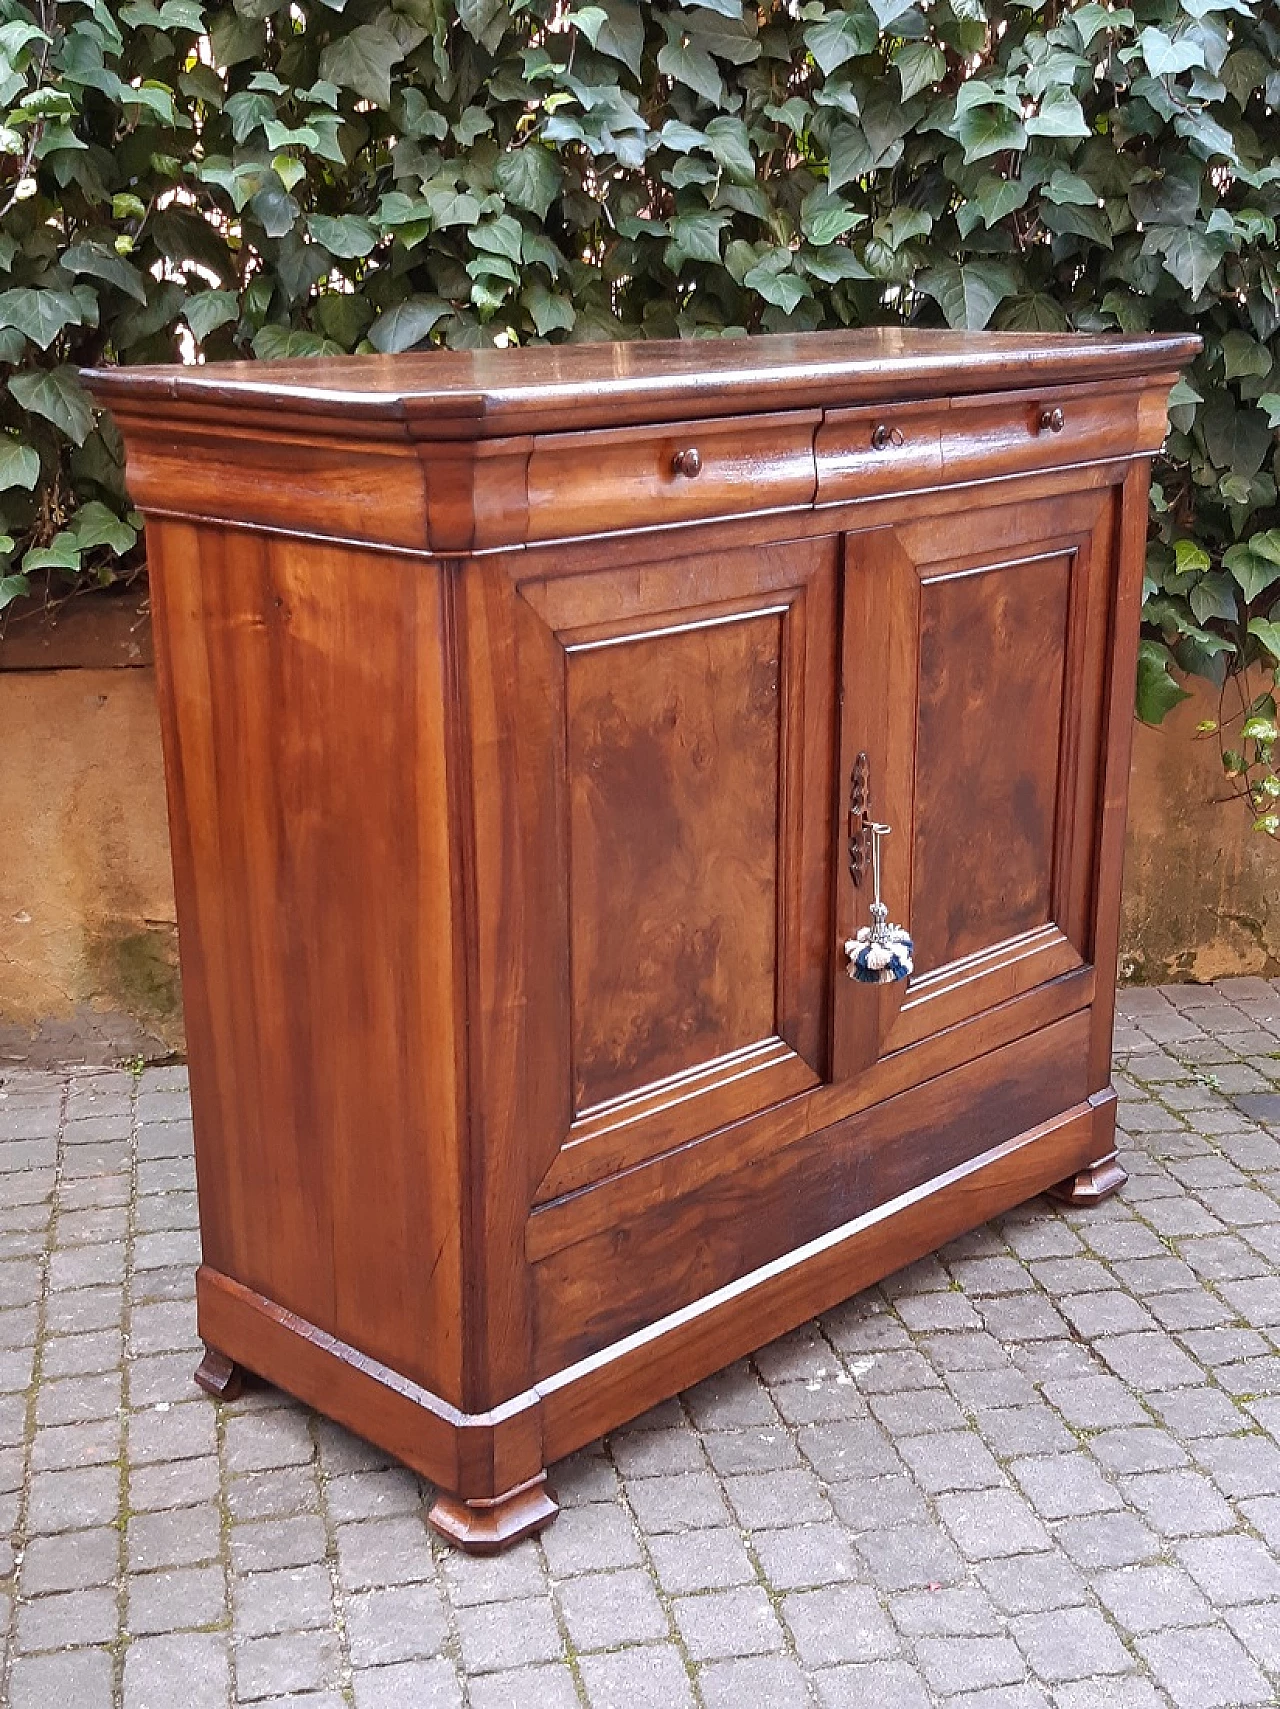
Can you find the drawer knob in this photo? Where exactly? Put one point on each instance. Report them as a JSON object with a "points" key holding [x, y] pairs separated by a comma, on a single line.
{"points": [[883, 436], [688, 463], [1052, 421]]}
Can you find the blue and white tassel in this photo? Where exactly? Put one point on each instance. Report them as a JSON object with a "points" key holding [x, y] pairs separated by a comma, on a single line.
{"points": [[881, 952]]}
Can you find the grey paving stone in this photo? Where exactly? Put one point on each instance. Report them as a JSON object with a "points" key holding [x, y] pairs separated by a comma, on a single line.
{"points": [[473, 1579], [1070, 1643], [371, 1552], [177, 1483], [838, 1624], [502, 1635], [72, 1500], [289, 1599], [71, 1620], [991, 1523], [293, 1542], [292, 1662], [658, 1453], [970, 1664], [71, 1561], [280, 1494], [953, 1460], [1064, 1485], [688, 1501], [604, 1610], [725, 1623], [183, 1537], [591, 1539], [647, 1676], [409, 1685], [1152, 1598], [803, 1557], [1108, 1540], [401, 1623], [739, 1452], [887, 1685], [764, 1500], [909, 1555], [546, 1687], [191, 1669], [1204, 1667], [775, 1681], [1232, 1569], [700, 1560], [1179, 1504], [79, 1677], [183, 1597]]}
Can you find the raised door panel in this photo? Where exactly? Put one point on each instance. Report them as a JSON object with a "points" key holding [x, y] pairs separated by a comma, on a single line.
{"points": [[689, 867], [975, 656]]}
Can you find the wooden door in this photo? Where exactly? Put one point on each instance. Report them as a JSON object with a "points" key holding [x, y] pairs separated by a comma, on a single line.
{"points": [[683, 715], [975, 659]]}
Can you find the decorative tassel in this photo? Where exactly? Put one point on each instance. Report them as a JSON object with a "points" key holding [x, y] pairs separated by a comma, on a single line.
{"points": [[881, 952]]}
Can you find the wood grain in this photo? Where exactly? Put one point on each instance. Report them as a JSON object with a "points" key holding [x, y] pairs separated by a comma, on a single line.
{"points": [[508, 747]]}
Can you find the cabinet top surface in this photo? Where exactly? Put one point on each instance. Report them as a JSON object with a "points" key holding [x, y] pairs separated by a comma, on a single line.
{"points": [[478, 393]]}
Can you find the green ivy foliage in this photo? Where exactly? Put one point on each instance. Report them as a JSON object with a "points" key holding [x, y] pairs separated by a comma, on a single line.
{"points": [[306, 177]]}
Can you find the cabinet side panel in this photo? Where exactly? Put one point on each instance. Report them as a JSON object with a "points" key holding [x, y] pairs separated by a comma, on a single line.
{"points": [[302, 702]]}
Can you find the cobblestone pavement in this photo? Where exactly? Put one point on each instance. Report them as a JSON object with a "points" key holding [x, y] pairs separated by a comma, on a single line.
{"points": [[1041, 1469]]}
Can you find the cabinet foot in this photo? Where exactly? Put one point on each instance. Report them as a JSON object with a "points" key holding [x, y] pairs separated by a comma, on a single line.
{"points": [[1091, 1185], [488, 1527], [219, 1376]]}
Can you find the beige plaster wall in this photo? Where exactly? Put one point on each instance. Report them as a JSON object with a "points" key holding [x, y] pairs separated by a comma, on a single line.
{"points": [[86, 894], [1201, 886]]}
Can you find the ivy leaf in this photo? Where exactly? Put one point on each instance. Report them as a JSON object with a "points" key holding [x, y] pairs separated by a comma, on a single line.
{"points": [[347, 236], [57, 395], [696, 237], [622, 37], [783, 290], [19, 464], [1255, 563], [1059, 114], [363, 60], [840, 37], [483, 20], [1214, 596], [987, 130], [920, 65], [103, 263], [12, 587], [1269, 634], [680, 59], [279, 343], [731, 148], [62, 553], [1192, 256], [1157, 692], [550, 311], [1165, 57], [529, 177], [407, 324], [208, 310], [1190, 557], [39, 315], [968, 294], [96, 524]]}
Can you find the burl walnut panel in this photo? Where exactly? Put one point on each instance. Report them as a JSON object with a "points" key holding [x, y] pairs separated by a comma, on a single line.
{"points": [[514, 703], [673, 763]]}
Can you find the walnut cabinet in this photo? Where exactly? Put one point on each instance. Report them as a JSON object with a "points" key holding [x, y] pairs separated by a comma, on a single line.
{"points": [[522, 712]]}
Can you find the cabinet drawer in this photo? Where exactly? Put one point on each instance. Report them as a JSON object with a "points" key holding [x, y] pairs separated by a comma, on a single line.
{"points": [[590, 483], [984, 437], [863, 453]]}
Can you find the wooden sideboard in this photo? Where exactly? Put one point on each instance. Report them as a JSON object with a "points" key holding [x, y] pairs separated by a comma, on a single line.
{"points": [[522, 712]]}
